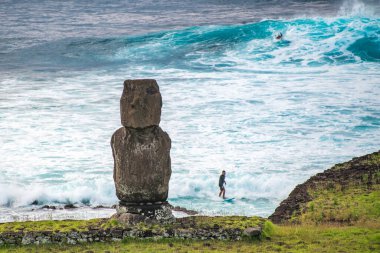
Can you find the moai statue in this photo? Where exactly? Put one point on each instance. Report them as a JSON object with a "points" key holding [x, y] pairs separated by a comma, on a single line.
{"points": [[141, 152]]}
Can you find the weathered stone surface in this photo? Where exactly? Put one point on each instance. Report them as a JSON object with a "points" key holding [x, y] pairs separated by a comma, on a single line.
{"points": [[138, 208], [28, 239], [183, 210], [142, 166], [140, 103], [153, 213], [252, 232], [129, 218]]}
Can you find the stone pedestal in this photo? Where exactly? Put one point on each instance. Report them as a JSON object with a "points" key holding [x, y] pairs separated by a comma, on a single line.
{"points": [[129, 214]]}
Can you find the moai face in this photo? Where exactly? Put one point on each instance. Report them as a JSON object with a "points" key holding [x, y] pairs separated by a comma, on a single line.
{"points": [[140, 103]]}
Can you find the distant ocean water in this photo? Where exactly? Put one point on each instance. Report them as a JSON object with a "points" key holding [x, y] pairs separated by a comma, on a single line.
{"points": [[271, 113]]}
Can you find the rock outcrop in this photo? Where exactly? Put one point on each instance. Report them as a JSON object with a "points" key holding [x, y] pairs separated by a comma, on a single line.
{"points": [[333, 191], [141, 152]]}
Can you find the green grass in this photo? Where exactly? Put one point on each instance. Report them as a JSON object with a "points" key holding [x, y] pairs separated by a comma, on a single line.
{"points": [[301, 238], [354, 204], [268, 230], [374, 159], [371, 160], [355, 199], [203, 222], [51, 225]]}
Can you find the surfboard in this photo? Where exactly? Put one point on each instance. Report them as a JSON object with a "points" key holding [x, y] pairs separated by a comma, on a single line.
{"points": [[229, 199]]}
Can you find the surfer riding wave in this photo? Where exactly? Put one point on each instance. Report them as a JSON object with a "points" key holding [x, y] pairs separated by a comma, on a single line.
{"points": [[222, 182]]}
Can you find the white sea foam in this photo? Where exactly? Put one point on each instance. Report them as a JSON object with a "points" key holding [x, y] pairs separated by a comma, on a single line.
{"points": [[356, 8]]}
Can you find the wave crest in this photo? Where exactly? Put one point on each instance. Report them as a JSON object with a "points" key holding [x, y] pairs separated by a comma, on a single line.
{"points": [[307, 42]]}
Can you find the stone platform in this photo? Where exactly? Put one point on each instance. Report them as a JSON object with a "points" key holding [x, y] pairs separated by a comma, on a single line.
{"points": [[107, 230], [133, 213]]}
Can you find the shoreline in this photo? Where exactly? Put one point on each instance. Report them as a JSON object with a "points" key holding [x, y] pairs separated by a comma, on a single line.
{"points": [[72, 212], [339, 212]]}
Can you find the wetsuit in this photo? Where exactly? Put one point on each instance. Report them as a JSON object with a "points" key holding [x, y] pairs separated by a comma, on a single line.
{"points": [[221, 182]]}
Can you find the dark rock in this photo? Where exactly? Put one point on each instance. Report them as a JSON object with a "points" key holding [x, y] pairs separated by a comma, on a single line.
{"points": [[151, 213], [142, 166], [43, 240], [291, 205], [184, 210], [69, 206], [29, 238], [116, 233], [101, 206], [252, 232], [140, 103], [129, 218], [48, 207], [138, 208]]}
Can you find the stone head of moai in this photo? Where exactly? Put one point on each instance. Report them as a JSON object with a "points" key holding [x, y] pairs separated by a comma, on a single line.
{"points": [[141, 149], [140, 104]]}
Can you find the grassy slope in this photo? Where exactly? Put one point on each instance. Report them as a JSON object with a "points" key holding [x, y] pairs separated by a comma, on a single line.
{"points": [[347, 193], [324, 238], [357, 201], [356, 204]]}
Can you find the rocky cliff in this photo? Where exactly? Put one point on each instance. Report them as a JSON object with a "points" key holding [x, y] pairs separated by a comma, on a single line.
{"points": [[346, 193]]}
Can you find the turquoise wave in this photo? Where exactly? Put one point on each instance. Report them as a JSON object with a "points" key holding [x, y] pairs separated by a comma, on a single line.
{"points": [[306, 42]]}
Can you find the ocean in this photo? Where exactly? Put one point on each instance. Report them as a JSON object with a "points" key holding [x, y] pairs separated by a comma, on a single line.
{"points": [[270, 112]]}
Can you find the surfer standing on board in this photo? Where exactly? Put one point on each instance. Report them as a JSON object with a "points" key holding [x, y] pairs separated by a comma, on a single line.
{"points": [[222, 182]]}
